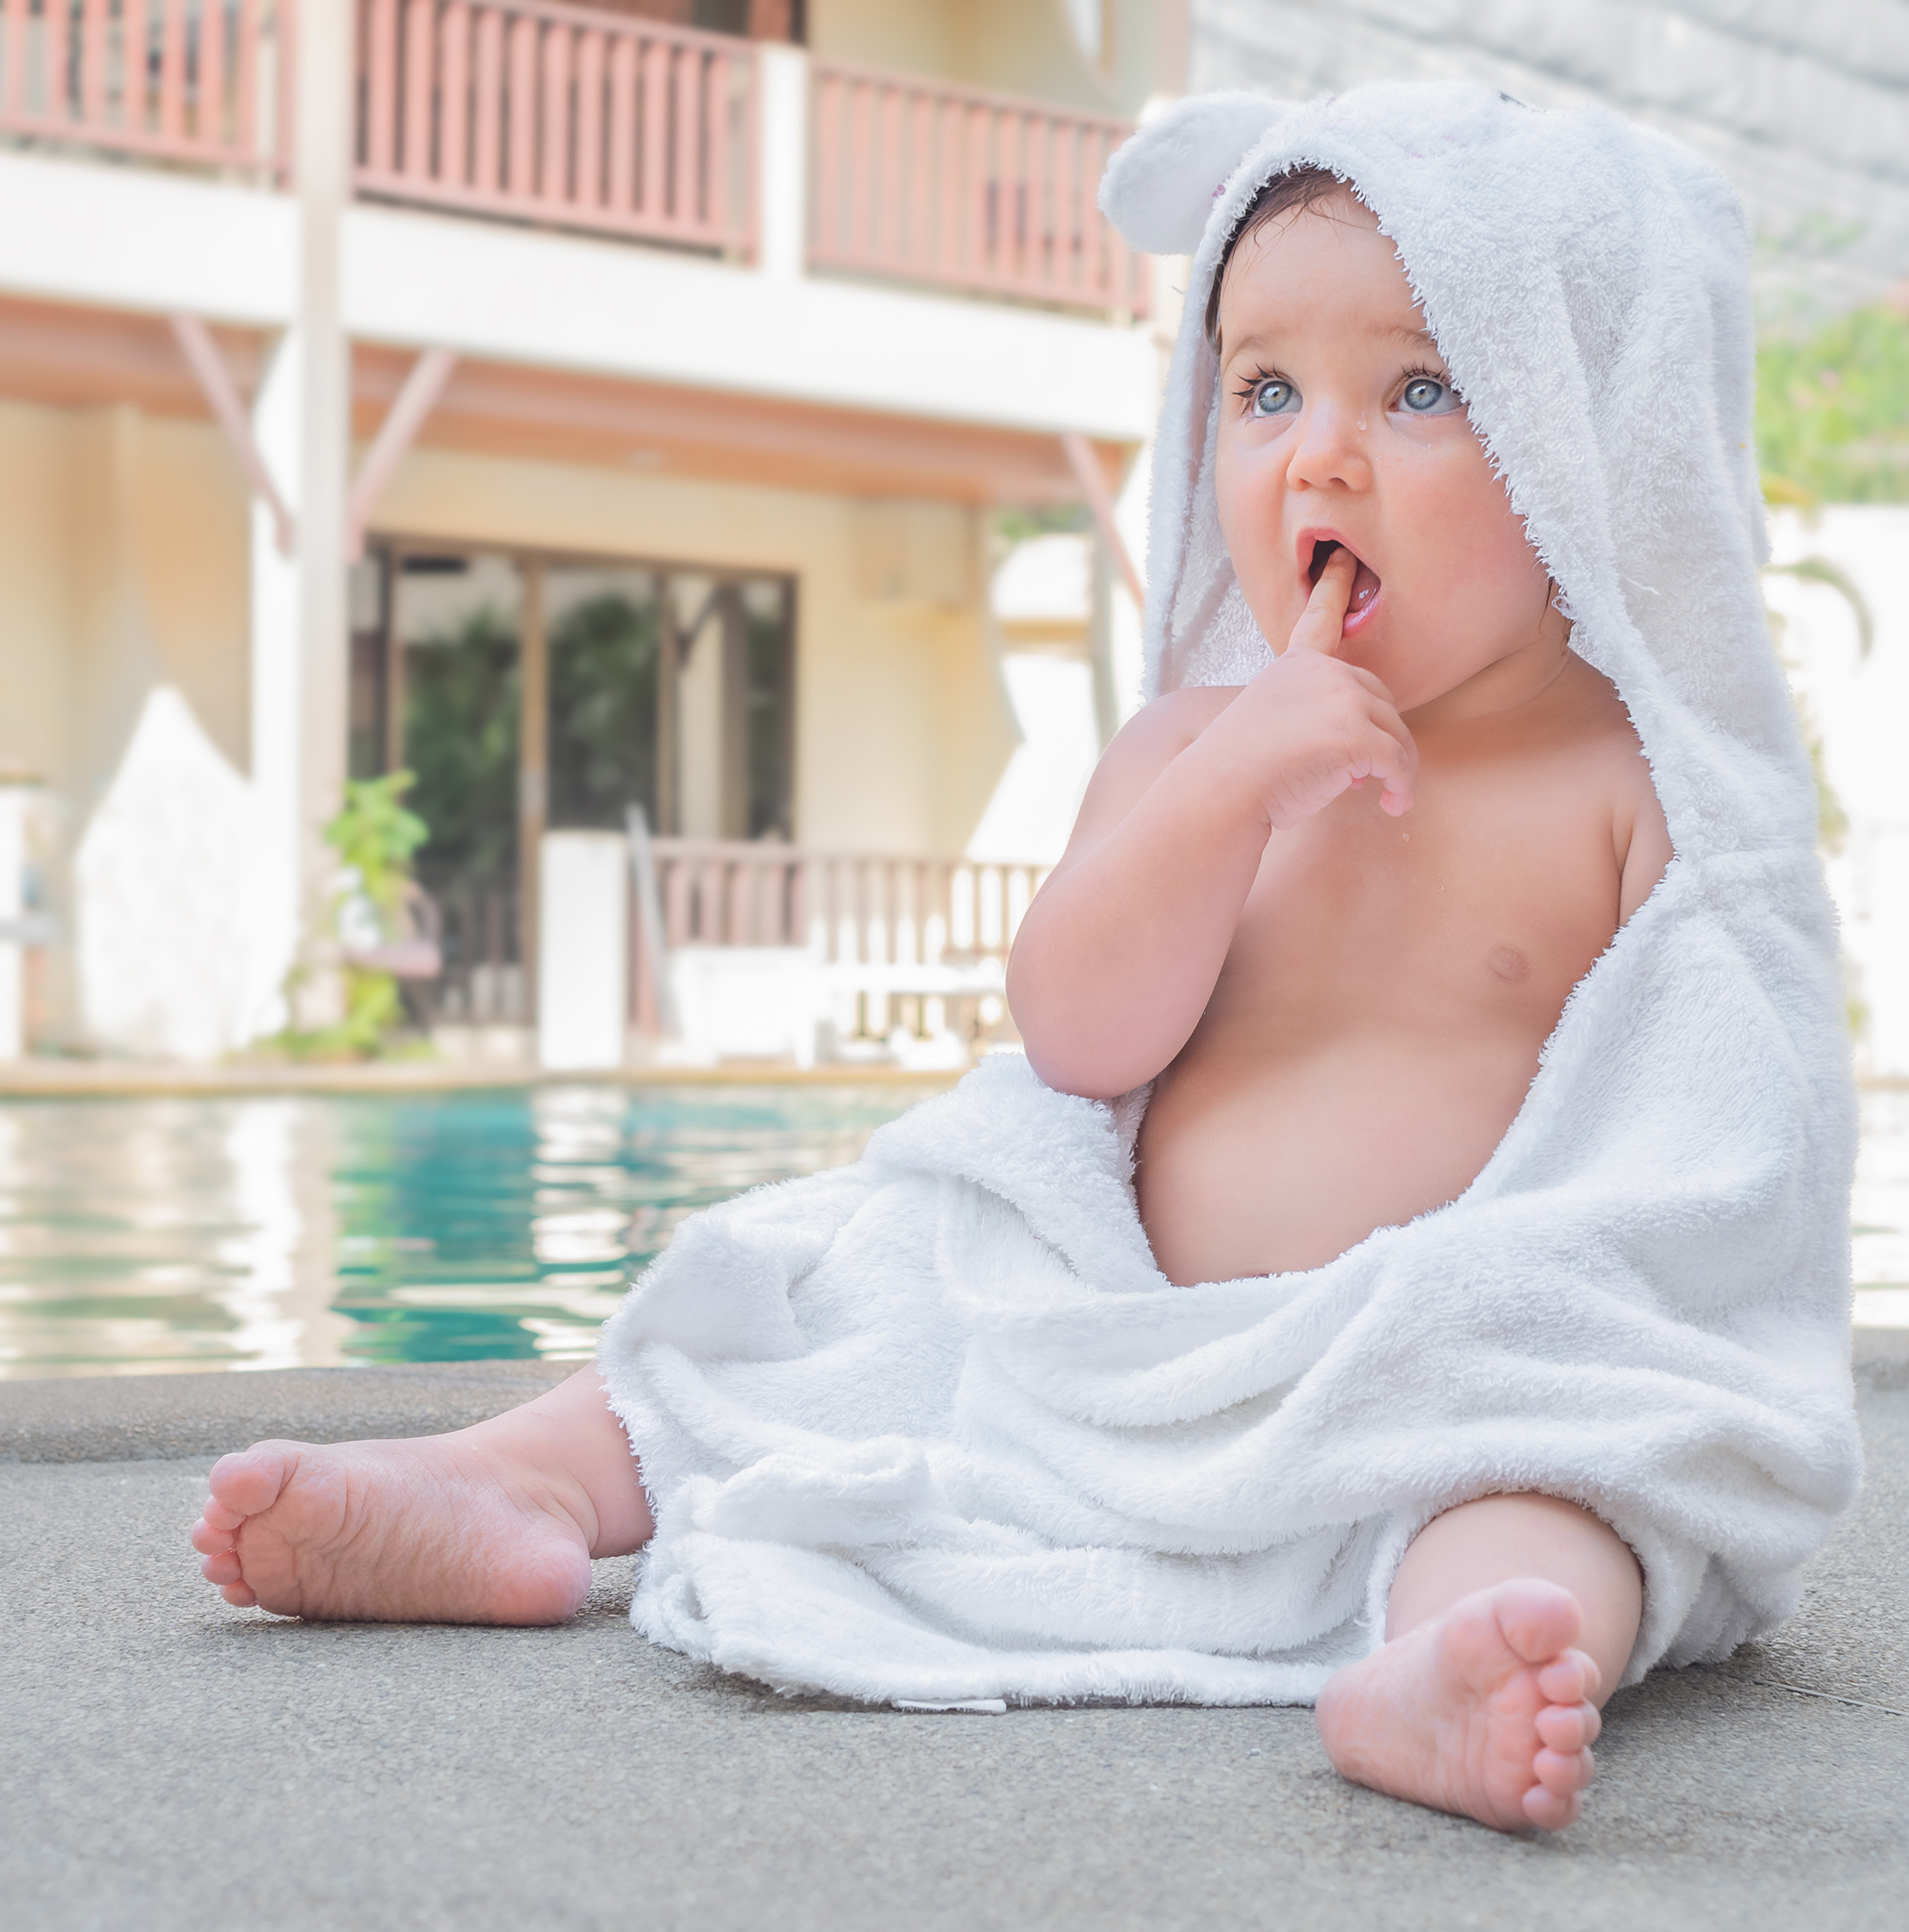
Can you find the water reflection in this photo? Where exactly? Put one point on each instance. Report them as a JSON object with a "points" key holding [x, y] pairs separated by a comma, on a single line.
{"points": [[272, 1233]]}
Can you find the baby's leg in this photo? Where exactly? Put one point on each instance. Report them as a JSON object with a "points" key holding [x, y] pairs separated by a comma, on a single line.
{"points": [[494, 1524], [1511, 1621]]}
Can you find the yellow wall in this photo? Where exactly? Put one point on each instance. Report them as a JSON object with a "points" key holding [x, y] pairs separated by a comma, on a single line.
{"points": [[902, 729], [193, 535], [36, 591], [1011, 46], [1020, 47], [122, 563]]}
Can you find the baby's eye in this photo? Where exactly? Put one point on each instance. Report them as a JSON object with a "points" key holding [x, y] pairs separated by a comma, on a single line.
{"points": [[1274, 397], [1427, 395]]}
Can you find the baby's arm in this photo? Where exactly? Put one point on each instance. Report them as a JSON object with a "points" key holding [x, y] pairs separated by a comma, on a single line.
{"points": [[1119, 954], [1641, 840]]}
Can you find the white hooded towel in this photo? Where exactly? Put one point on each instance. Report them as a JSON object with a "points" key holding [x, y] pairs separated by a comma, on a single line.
{"points": [[935, 1428]]}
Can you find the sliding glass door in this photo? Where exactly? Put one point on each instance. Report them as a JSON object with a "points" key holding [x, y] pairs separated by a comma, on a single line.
{"points": [[529, 692]]}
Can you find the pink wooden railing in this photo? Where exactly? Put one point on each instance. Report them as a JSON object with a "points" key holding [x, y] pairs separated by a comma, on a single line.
{"points": [[563, 115], [849, 908], [982, 191], [205, 81]]}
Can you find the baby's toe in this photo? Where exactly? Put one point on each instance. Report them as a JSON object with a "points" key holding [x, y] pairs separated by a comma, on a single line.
{"points": [[220, 1516], [1539, 1620], [1571, 1678], [208, 1540], [247, 1482], [1563, 1772], [1550, 1811], [222, 1566], [239, 1595], [1569, 1727]]}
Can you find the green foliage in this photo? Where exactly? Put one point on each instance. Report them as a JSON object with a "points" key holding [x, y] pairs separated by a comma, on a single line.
{"points": [[1832, 410], [1017, 522], [376, 836], [460, 737], [604, 656], [374, 1011]]}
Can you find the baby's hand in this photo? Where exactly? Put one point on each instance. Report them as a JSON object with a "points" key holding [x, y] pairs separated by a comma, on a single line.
{"points": [[1318, 726]]}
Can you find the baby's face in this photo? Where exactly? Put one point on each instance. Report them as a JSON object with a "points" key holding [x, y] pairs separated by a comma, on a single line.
{"points": [[1338, 424]]}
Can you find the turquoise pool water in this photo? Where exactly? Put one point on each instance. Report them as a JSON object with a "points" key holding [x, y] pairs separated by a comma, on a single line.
{"points": [[139, 1235], [155, 1235]]}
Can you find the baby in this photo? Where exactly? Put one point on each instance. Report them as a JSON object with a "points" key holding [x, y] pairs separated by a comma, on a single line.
{"points": [[1332, 911]]}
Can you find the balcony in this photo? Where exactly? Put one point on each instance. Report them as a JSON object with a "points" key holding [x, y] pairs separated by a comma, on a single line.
{"points": [[205, 83], [569, 119]]}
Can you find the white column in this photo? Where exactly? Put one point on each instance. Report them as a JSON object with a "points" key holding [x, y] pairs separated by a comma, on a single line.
{"points": [[782, 184], [582, 951], [1126, 651], [299, 659], [274, 900], [13, 906]]}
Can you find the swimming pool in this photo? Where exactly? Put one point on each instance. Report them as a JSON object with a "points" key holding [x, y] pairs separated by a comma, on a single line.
{"points": [[148, 1235], [278, 1232]]}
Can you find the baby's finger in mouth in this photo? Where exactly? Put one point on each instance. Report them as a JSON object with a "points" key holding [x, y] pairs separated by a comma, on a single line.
{"points": [[1323, 617]]}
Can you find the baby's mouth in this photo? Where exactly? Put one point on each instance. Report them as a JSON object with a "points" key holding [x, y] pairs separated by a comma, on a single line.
{"points": [[1365, 582]]}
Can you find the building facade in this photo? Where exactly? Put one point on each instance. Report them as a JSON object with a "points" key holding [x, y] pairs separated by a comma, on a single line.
{"points": [[582, 407]]}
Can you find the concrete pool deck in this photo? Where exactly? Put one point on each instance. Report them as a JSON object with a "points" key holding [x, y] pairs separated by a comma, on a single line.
{"points": [[170, 1762]]}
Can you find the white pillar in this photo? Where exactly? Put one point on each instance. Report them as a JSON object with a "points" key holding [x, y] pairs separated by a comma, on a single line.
{"points": [[1126, 651], [781, 182], [13, 907], [582, 951], [272, 937], [299, 659]]}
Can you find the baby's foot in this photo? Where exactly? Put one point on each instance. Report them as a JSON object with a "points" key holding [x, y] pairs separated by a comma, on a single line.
{"points": [[1485, 1710], [447, 1529]]}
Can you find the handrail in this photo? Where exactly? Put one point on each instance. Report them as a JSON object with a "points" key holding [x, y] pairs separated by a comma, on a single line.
{"points": [[870, 907], [566, 117], [980, 191], [873, 910], [202, 81]]}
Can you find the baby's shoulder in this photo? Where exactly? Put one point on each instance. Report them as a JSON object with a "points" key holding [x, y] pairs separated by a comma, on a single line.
{"points": [[1622, 792], [1142, 749], [1171, 722]]}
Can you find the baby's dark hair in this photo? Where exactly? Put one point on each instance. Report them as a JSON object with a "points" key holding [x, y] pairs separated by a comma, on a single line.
{"points": [[1292, 193]]}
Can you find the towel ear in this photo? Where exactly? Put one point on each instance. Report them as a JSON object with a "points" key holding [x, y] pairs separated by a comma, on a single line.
{"points": [[1159, 187]]}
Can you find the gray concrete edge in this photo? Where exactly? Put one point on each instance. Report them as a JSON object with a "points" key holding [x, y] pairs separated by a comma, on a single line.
{"points": [[148, 1418]]}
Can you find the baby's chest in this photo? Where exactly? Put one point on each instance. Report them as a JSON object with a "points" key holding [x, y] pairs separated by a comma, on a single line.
{"points": [[1473, 902]]}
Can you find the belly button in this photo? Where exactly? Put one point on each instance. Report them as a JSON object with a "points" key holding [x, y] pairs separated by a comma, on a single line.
{"points": [[1509, 964]]}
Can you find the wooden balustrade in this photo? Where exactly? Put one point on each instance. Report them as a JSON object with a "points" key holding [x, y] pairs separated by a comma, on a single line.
{"points": [[577, 117], [204, 81], [867, 909], [980, 191], [563, 115]]}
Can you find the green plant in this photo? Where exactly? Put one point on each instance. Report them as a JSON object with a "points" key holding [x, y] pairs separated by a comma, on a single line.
{"points": [[373, 1012], [1832, 410], [460, 737], [376, 835]]}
